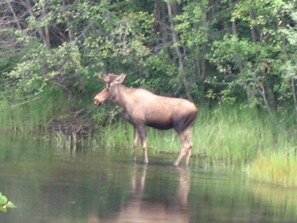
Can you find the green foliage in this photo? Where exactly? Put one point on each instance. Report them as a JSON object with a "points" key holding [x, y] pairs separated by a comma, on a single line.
{"points": [[191, 25], [5, 203], [232, 52]]}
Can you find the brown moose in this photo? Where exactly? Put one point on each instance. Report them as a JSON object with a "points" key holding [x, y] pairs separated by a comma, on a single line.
{"points": [[143, 108]]}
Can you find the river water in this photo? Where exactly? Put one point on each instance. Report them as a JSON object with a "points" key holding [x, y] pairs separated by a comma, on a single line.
{"points": [[55, 185]]}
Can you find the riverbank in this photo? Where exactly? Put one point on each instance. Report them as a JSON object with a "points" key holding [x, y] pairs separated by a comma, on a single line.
{"points": [[224, 137]]}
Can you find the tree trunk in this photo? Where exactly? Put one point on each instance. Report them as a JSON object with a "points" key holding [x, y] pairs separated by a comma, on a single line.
{"points": [[39, 30], [253, 28], [266, 97], [46, 29], [294, 95], [70, 35], [15, 18], [234, 30], [179, 52]]}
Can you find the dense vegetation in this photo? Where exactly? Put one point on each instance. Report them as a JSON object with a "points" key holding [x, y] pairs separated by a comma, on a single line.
{"points": [[215, 52]]}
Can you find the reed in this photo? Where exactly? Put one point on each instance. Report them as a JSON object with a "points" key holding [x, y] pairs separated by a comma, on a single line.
{"points": [[117, 139], [277, 169], [230, 136], [27, 117], [246, 139], [118, 135], [225, 137]]}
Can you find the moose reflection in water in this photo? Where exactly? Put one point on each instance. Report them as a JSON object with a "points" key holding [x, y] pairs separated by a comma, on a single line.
{"points": [[143, 108], [138, 209]]}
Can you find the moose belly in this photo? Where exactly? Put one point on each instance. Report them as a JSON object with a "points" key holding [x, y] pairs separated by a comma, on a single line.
{"points": [[162, 125]]}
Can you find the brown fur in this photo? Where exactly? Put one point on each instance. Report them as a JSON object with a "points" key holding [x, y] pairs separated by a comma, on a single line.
{"points": [[144, 108]]}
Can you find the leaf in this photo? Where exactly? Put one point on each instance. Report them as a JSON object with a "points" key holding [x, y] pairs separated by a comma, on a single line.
{"points": [[3, 199], [5, 203], [10, 205]]}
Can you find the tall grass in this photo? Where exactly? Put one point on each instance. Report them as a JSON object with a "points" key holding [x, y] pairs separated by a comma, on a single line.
{"points": [[275, 168], [245, 138], [27, 117], [224, 134], [120, 136], [225, 137], [234, 135], [228, 135]]}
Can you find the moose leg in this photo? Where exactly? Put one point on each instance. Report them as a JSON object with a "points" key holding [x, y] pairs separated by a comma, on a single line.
{"points": [[144, 148], [189, 156], [142, 134], [135, 145], [187, 144]]}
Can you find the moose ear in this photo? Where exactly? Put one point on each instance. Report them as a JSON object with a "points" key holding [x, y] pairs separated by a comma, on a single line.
{"points": [[119, 79]]}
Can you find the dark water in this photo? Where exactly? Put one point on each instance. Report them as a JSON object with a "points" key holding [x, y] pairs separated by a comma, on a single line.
{"points": [[54, 185]]}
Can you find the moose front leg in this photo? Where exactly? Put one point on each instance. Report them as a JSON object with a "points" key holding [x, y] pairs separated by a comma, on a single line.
{"points": [[141, 131], [144, 148]]}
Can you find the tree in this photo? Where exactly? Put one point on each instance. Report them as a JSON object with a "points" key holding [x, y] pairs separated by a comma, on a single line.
{"points": [[207, 50]]}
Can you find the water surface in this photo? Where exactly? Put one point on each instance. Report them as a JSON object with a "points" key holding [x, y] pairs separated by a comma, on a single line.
{"points": [[54, 185]]}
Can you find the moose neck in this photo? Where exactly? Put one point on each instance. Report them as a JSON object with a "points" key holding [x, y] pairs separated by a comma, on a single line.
{"points": [[121, 95]]}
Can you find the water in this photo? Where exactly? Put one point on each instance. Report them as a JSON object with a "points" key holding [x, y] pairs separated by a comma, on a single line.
{"points": [[54, 185]]}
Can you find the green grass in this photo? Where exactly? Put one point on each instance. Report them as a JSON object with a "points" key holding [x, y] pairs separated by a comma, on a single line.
{"points": [[276, 169], [120, 136], [24, 118], [224, 137], [227, 135], [232, 136], [227, 138], [30, 116], [245, 139]]}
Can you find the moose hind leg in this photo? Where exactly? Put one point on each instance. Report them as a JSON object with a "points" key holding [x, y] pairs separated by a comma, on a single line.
{"points": [[135, 145], [187, 145], [189, 156]]}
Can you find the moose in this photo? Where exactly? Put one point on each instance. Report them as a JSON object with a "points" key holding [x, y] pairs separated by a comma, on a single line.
{"points": [[143, 108]]}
